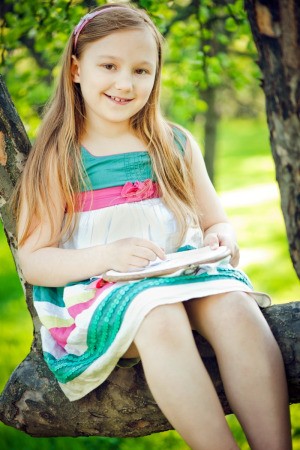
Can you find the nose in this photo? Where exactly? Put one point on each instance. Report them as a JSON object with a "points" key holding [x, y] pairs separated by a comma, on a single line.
{"points": [[124, 81]]}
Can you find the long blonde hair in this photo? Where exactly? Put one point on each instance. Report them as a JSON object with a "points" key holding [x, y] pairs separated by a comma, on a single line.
{"points": [[57, 147]]}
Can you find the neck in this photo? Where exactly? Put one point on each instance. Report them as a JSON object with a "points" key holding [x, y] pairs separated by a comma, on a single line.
{"points": [[109, 130], [120, 137]]}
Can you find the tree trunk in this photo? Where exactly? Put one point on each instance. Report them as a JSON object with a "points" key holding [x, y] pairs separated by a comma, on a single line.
{"points": [[276, 30], [122, 406]]}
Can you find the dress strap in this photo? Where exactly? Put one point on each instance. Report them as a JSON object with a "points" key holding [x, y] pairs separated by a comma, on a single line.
{"points": [[180, 139]]}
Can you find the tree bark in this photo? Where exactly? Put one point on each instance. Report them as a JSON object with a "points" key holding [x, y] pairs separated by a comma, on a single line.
{"points": [[122, 406], [276, 30]]}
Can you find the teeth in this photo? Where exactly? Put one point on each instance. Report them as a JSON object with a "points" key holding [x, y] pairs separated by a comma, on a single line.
{"points": [[118, 99]]}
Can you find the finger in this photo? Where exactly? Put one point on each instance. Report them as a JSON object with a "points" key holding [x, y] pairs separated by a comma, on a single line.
{"points": [[145, 253], [212, 241], [234, 261], [137, 262], [229, 243], [158, 251]]}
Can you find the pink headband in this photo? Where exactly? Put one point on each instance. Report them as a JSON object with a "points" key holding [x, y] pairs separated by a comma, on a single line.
{"points": [[87, 18]]}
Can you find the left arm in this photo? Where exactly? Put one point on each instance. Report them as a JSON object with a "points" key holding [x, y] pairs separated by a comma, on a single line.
{"points": [[216, 226]]}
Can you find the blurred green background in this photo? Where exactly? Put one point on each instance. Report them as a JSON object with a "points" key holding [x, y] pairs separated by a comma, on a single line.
{"points": [[211, 86]]}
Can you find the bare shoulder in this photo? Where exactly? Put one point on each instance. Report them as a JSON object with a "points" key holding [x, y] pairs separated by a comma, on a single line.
{"points": [[209, 207]]}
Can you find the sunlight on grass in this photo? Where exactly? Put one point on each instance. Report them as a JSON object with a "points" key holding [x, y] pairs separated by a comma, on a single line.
{"points": [[258, 221], [244, 157], [295, 413]]}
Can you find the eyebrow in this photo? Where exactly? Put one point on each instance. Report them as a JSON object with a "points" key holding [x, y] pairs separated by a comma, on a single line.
{"points": [[114, 58]]}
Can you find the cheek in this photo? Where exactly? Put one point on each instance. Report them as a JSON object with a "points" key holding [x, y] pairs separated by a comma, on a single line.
{"points": [[91, 84], [85, 91], [147, 88]]}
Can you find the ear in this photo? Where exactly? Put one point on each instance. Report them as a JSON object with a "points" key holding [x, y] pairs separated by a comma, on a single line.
{"points": [[75, 69]]}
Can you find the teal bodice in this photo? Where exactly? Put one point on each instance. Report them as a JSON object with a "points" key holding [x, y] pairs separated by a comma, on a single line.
{"points": [[116, 170]]}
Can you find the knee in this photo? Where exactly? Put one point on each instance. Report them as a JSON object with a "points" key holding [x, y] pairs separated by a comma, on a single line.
{"points": [[164, 324], [237, 322], [235, 309]]}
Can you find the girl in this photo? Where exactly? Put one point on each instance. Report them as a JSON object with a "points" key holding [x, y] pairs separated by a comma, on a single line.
{"points": [[110, 184]]}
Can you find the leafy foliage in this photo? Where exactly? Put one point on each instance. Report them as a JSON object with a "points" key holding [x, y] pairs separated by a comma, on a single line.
{"points": [[208, 48], [208, 45], [34, 35]]}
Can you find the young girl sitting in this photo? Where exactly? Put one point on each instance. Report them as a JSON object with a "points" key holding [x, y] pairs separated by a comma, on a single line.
{"points": [[110, 184]]}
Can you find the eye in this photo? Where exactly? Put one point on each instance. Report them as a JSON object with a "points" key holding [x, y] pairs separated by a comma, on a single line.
{"points": [[109, 66], [141, 71]]}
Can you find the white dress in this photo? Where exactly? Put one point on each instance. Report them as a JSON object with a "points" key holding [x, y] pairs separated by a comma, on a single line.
{"points": [[87, 326]]}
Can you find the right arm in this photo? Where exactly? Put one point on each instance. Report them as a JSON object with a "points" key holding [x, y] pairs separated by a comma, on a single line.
{"points": [[53, 266], [47, 265]]}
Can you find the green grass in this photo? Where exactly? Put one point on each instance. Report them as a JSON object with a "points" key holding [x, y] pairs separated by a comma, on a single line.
{"points": [[244, 162], [246, 177], [244, 155], [263, 242]]}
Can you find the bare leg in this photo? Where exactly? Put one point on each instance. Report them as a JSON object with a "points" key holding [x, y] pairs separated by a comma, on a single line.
{"points": [[179, 381], [251, 366]]}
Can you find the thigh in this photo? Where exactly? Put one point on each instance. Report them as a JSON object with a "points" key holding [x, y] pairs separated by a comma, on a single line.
{"points": [[167, 322], [218, 315], [132, 352]]}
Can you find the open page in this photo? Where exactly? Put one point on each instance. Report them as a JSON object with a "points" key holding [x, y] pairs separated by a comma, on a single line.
{"points": [[172, 263]]}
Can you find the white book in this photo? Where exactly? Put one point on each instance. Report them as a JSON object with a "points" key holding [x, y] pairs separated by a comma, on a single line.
{"points": [[172, 263]]}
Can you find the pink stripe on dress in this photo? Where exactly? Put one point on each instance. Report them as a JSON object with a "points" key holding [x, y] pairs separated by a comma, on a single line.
{"points": [[99, 285], [61, 334], [129, 193]]}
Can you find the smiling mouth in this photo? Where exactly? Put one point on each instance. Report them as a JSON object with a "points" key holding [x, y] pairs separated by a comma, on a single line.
{"points": [[119, 100]]}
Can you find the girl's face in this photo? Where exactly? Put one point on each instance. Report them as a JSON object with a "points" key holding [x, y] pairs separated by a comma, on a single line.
{"points": [[116, 75]]}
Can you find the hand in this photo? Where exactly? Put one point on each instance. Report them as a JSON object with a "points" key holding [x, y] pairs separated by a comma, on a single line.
{"points": [[214, 240], [131, 254]]}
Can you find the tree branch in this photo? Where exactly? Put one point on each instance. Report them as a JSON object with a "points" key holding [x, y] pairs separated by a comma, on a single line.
{"points": [[123, 405]]}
